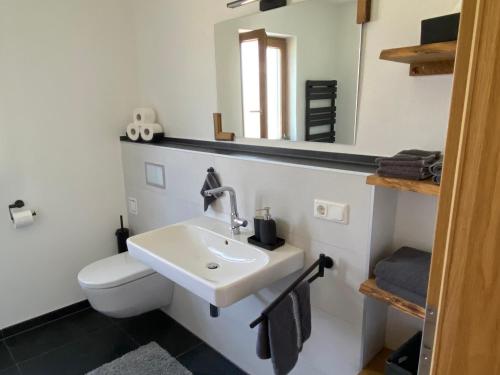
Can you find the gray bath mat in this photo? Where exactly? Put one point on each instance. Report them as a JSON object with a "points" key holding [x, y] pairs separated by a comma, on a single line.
{"points": [[149, 359]]}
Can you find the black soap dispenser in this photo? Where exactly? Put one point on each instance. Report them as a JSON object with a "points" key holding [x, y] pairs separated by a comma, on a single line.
{"points": [[267, 228], [257, 220]]}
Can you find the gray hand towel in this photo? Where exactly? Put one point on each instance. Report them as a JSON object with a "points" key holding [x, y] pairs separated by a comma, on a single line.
{"points": [[211, 182], [303, 292], [263, 346], [282, 335], [407, 268], [401, 292]]}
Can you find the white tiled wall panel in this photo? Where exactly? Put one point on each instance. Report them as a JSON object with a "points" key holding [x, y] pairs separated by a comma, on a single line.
{"points": [[336, 343]]}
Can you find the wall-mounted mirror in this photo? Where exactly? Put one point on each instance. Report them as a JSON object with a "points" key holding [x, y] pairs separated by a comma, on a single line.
{"points": [[291, 73]]}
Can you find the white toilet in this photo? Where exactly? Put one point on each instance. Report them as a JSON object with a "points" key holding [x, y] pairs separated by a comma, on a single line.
{"points": [[121, 286]]}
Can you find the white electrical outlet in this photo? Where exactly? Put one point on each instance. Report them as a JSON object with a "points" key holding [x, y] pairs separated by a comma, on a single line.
{"points": [[336, 212], [133, 209]]}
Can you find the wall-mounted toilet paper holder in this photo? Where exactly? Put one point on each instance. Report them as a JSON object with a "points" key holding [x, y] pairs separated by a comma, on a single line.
{"points": [[17, 204]]}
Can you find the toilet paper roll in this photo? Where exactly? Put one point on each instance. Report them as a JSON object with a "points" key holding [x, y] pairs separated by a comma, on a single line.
{"points": [[133, 132], [144, 116], [22, 218], [152, 132]]}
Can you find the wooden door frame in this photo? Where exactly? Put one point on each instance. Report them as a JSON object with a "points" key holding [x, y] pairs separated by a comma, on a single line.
{"points": [[464, 282]]}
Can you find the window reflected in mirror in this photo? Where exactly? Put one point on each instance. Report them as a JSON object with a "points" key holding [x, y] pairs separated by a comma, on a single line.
{"points": [[264, 97]]}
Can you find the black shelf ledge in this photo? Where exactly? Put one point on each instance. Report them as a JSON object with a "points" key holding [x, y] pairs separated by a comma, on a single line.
{"points": [[331, 160]]}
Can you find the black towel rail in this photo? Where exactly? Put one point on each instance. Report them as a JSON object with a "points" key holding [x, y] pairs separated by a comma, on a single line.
{"points": [[322, 263]]}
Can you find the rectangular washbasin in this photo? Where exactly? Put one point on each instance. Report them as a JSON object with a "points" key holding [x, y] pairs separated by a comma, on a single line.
{"points": [[203, 256]]}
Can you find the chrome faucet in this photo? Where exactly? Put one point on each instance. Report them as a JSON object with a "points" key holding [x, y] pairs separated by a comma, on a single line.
{"points": [[236, 221]]}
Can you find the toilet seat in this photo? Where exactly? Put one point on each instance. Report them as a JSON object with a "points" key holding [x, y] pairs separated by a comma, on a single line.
{"points": [[113, 272]]}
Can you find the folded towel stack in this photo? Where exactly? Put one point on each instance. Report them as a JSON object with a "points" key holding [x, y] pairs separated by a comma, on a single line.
{"points": [[436, 170], [408, 164], [405, 274]]}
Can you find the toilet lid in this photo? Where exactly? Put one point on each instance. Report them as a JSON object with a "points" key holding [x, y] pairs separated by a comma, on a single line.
{"points": [[112, 272]]}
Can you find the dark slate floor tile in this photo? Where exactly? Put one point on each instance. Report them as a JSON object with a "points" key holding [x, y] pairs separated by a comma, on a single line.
{"points": [[45, 319], [203, 360], [29, 344], [159, 327], [5, 358], [83, 355], [10, 371], [88, 321], [42, 339]]}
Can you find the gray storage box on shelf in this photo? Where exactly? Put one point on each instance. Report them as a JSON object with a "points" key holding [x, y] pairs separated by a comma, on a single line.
{"points": [[404, 361]]}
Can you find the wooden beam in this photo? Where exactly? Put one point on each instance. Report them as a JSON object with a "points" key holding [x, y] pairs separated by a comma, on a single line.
{"points": [[444, 51], [370, 288], [468, 322], [431, 68], [423, 187], [364, 11], [452, 145]]}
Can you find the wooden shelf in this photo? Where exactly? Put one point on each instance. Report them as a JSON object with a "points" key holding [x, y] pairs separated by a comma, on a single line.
{"points": [[371, 289], [377, 364], [426, 59], [424, 187]]}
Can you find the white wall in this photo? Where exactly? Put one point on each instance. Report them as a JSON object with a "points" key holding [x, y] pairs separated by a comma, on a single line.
{"points": [[414, 224], [67, 74], [336, 344], [396, 111], [176, 54], [69, 67]]}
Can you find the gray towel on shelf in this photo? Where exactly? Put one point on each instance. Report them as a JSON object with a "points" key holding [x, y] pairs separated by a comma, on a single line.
{"points": [[287, 327], [401, 292], [410, 158], [436, 169], [211, 182], [407, 268], [408, 173], [403, 163]]}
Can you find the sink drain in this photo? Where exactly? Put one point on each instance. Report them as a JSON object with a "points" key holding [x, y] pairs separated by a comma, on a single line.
{"points": [[212, 266]]}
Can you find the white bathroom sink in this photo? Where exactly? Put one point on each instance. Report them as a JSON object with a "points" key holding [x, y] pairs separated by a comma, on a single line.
{"points": [[203, 256]]}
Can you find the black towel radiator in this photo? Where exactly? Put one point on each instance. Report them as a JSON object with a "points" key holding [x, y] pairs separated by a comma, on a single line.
{"points": [[321, 117], [322, 263]]}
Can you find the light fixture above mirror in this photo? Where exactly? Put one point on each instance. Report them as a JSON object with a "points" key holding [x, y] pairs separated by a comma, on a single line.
{"points": [[238, 3], [265, 5]]}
